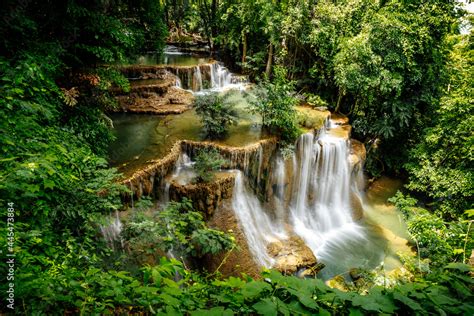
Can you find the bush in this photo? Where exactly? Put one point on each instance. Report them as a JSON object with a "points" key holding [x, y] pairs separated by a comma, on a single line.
{"points": [[436, 240], [216, 112], [177, 227], [207, 161], [275, 103]]}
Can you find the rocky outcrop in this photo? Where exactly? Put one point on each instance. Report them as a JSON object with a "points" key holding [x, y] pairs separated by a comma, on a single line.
{"points": [[154, 92], [292, 255], [238, 261], [206, 197], [311, 118], [357, 155], [173, 101], [253, 159], [144, 180], [339, 119]]}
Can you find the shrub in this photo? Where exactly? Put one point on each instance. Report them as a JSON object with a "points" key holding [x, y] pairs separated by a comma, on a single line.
{"points": [[207, 161], [217, 112], [275, 103]]}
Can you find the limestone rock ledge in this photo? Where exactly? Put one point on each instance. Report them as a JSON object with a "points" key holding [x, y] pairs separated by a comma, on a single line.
{"points": [[357, 155], [292, 255], [206, 197], [252, 159]]}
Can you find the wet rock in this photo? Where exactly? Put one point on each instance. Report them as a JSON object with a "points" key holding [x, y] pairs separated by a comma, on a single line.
{"points": [[338, 282], [143, 180], [238, 261], [173, 101], [206, 197], [152, 90], [339, 119], [356, 207], [291, 255], [311, 272], [357, 155]]}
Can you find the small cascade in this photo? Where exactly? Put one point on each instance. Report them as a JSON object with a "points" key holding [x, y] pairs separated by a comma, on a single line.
{"points": [[259, 228], [279, 191], [178, 83], [221, 77], [111, 231], [131, 195], [197, 79], [208, 77]]}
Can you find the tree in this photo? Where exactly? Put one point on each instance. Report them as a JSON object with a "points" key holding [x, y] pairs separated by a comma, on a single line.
{"points": [[441, 165], [275, 102], [217, 112], [207, 161]]}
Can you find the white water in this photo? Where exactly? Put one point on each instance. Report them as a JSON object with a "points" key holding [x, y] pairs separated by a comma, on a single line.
{"points": [[111, 230], [258, 227], [318, 208], [197, 79], [212, 77], [321, 209]]}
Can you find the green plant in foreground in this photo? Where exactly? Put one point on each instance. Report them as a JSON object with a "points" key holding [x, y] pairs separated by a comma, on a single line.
{"points": [[177, 227], [206, 162]]}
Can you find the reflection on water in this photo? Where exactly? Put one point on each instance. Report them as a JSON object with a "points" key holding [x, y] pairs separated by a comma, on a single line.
{"points": [[141, 138], [171, 56], [385, 235]]}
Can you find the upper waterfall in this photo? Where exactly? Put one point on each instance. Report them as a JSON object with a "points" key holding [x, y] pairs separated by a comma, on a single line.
{"points": [[208, 77]]}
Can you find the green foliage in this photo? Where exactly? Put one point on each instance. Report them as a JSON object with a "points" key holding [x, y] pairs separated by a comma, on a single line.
{"points": [[155, 290], [178, 228], [207, 161], [217, 112], [441, 165], [275, 103], [83, 33], [435, 239]]}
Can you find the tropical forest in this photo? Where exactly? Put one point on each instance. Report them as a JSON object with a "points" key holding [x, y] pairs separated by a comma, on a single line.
{"points": [[237, 157]]}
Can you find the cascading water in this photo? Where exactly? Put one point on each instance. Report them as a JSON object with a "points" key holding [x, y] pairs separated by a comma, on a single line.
{"points": [[315, 202], [220, 76], [211, 76], [197, 79], [111, 230], [258, 227]]}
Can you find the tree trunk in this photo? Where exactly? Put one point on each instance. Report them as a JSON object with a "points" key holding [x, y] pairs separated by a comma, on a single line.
{"points": [[244, 48], [268, 70], [339, 98]]}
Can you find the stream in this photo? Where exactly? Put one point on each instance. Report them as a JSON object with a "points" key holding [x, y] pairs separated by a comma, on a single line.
{"points": [[317, 193]]}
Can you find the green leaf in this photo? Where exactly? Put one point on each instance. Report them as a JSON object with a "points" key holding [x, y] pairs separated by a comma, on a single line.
{"points": [[266, 307], [469, 213], [253, 289], [48, 184], [355, 312], [407, 301], [459, 266]]}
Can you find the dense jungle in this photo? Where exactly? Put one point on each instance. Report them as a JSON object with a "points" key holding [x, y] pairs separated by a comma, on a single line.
{"points": [[240, 157]]}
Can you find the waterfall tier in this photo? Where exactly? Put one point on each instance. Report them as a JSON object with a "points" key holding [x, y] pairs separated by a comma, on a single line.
{"points": [[313, 197]]}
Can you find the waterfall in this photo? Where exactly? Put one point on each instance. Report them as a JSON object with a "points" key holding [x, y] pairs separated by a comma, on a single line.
{"points": [[311, 193], [258, 227], [197, 79], [111, 231], [221, 77], [207, 77], [178, 83], [321, 209]]}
